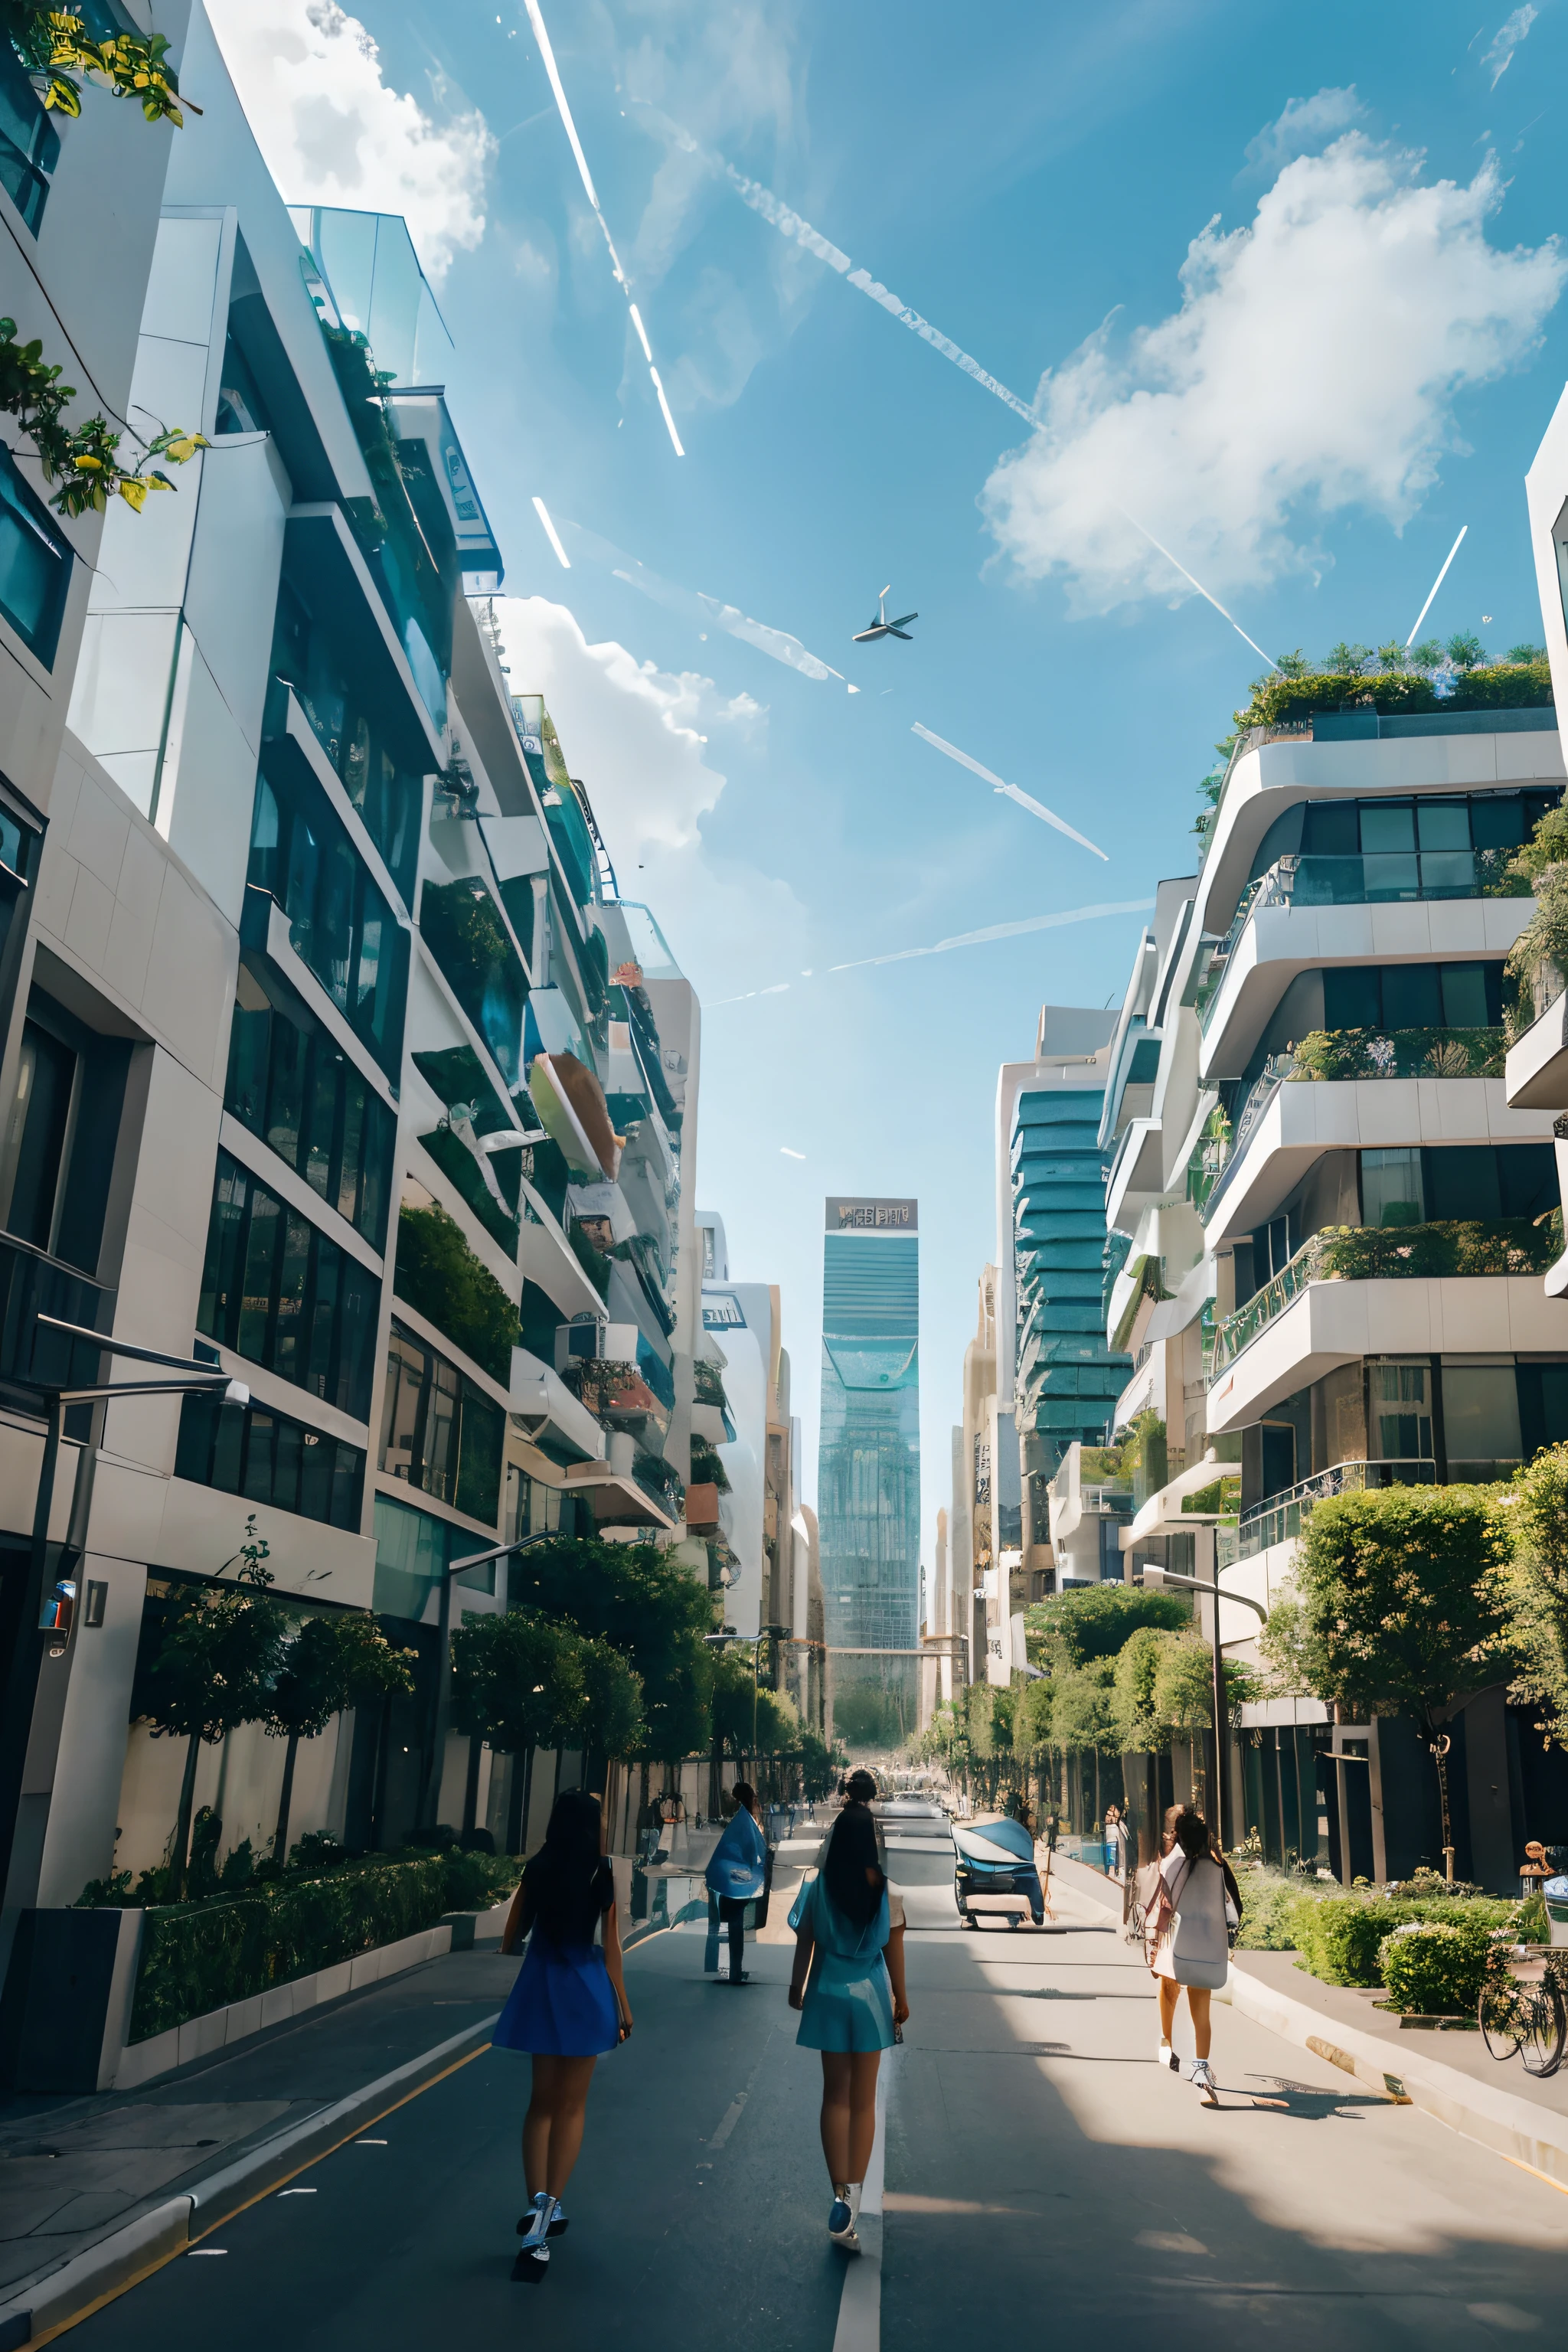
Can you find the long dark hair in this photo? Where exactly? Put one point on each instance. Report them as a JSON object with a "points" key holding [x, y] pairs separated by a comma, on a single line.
{"points": [[562, 1878], [1192, 1835], [851, 1852]]}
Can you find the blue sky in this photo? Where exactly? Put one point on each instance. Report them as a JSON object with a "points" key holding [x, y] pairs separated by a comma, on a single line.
{"points": [[1361, 356]]}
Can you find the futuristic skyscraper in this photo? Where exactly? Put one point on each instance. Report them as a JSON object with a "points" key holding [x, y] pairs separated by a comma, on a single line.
{"points": [[869, 1464]]}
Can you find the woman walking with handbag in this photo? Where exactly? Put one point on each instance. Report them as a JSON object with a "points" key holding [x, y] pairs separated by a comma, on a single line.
{"points": [[737, 1875], [567, 2007], [1188, 1933], [848, 1984]]}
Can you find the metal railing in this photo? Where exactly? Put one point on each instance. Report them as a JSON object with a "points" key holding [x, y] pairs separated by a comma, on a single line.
{"points": [[1280, 1516]]}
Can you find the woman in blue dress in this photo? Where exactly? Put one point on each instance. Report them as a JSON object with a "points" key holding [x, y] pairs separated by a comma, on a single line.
{"points": [[567, 2007], [848, 1984]]}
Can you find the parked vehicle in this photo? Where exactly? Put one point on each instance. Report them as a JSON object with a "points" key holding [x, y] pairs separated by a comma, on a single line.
{"points": [[995, 1872]]}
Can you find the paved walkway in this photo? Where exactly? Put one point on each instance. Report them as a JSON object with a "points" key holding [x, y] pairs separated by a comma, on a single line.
{"points": [[1041, 2174]]}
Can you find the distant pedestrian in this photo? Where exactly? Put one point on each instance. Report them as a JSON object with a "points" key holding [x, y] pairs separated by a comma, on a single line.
{"points": [[1189, 1940], [848, 1984], [567, 2007], [737, 1875]]}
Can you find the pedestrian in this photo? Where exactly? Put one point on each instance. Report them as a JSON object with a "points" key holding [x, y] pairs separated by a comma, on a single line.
{"points": [[848, 1984], [567, 2007], [737, 1875], [1188, 1930]]}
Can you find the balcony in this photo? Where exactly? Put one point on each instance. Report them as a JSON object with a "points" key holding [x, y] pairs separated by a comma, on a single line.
{"points": [[1232, 1195], [1280, 1517], [468, 935], [31, 1285], [1506, 1246], [1376, 879]]}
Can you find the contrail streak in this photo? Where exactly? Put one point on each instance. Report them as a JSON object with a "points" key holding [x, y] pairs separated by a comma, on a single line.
{"points": [[963, 939], [1204, 593], [789, 223], [1003, 932], [1437, 583], [551, 534], [562, 108], [707, 611], [1035, 807]]}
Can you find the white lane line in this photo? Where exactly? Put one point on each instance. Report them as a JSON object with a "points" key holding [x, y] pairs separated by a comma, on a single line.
{"points": [[859, 2325], [731, 2117]]}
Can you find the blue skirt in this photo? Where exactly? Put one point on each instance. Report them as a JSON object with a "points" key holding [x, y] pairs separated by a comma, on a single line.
{"points": [[848, 2005], [562, 2004]]}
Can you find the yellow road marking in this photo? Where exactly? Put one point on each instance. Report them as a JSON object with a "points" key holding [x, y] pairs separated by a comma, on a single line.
{"points": [[220, 2221], [1561, 2185]]}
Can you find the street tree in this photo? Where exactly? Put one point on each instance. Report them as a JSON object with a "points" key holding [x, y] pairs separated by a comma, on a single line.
{"points": [[334, 1662], [1400, 1607], [215, 1668], [1538, 1589], [649, 1608]]}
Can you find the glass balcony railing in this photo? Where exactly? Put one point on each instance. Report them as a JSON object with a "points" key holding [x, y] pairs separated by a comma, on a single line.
{"points": [[463, 929], [1280, 1517], [1379, 877], [1381, 1253]]}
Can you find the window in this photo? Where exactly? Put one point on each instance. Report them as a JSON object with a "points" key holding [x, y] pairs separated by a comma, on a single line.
{"points": [[58, 1157], [282, 1295], [30, 143], [1413, 996], [241, 407], [1481, 1419], [1458, 1182], [34, 565], [270, 1458], [338, 923], [290, 1083], [1399, 1414], [440, 1431], [389, 798]]}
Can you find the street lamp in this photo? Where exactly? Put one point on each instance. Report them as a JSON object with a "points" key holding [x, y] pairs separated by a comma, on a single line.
{"points": [[194, 1378], [1221, 1720], [430, 1793]]}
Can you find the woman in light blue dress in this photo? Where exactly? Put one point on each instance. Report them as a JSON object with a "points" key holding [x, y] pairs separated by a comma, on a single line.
{"points": [[848, 1984]]}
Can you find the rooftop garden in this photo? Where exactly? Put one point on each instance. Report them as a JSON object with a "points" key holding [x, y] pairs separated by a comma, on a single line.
{"points": [[1391, 679]]}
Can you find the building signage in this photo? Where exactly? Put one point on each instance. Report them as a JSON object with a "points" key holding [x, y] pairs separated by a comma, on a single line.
{"points": [[721, 1311], [873, 1216]]}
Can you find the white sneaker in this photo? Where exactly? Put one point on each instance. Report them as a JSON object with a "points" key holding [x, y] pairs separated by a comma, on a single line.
{"points": [[1203, 2082], [1166, 2056]]}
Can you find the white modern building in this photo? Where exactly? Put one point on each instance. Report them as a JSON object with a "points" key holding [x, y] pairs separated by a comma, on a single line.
{"points": [[328, 1048], [1333, 1212]]}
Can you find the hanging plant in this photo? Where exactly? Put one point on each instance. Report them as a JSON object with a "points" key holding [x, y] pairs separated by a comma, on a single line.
{"points": [[55, 46], [82, 459]]}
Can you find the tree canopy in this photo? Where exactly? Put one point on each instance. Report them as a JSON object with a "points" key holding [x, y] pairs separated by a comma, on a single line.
{"points": [[1071, 1628], [1539, 1589]]}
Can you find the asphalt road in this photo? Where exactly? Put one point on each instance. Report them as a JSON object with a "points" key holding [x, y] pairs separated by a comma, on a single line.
{"points": [[1042, 2174]]}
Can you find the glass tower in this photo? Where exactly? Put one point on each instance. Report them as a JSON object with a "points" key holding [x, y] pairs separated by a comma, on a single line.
{"points": [[870, 1463]]}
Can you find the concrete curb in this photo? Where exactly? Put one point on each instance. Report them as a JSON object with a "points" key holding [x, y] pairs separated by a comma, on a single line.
{"points": [[38, 2307], [1497, 2119], [1507, 2124]]}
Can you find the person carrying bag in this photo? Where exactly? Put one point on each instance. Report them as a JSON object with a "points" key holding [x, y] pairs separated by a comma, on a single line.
{"points": [[1194, 1905]]}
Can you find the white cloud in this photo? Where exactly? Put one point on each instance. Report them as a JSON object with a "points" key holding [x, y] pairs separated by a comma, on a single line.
{"points": [[1306, 125], [332, 132], [641, 739], [1313, 365], [1508, 34]]}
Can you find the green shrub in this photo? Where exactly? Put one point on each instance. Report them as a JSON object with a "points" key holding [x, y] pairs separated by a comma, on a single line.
{"points": [[442, 1279], [1435, 1970], [1340, 1939], [1279, 701], [1267, 1921], [197, 1957]]}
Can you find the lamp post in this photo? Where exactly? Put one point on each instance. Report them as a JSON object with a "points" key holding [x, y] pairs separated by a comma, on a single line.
{"points": [[194, 1378], [430, 1791], [1221, 1721]]}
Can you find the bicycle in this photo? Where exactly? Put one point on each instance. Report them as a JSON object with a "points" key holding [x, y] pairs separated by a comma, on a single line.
{"points": [[1521, 2011]]}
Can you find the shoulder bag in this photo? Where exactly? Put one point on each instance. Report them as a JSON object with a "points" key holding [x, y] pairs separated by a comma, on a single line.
{"points": [[1160, 1914]]}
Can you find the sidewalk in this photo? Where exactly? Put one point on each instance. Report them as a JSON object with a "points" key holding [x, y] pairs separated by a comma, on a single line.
{"points": [[1448, 2075], [77, 2171]]}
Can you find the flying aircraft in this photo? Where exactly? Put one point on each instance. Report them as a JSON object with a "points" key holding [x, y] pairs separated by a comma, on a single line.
{"points": [[882, 627]]}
